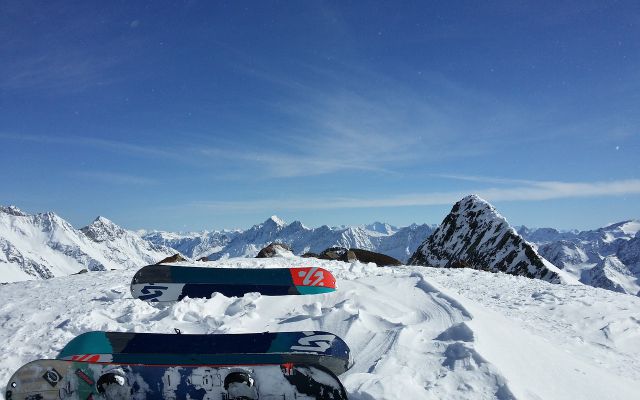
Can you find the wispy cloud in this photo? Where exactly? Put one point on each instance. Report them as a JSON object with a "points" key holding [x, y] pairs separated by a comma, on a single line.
{"points": [[116, 178], [528, 191], [117, 146], [345, 117]]}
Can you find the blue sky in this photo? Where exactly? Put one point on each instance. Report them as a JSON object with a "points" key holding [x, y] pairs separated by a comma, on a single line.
{"points": [[200, 115]]}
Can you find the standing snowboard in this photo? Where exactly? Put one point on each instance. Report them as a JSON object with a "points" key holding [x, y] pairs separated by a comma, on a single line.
{"points": [[60, 379], [172, 283], [316, 348]]}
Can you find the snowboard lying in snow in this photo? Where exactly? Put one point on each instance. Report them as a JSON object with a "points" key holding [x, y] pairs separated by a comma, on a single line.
{"points": [[172, 283], [314, 348], [81, 380]]}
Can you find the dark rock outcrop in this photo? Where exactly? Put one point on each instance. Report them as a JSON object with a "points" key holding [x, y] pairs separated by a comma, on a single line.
{"points": [[173, 259], [352, 255], [367, 256], [334, 253], [273, 249]]}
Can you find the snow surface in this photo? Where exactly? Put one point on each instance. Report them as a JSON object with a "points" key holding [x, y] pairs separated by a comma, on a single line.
{"points": [[414, 332]]}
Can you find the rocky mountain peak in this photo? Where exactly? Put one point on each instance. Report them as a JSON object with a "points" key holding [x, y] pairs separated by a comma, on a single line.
{"points": [[12, 210], [102, 229], [297, 225], [380, 227], [274, 222], [475, 235]]}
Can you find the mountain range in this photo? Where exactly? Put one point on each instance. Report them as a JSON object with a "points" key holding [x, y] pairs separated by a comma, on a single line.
{"points": [[43, 246], [608, 257], [473, 235], [380, 237]]}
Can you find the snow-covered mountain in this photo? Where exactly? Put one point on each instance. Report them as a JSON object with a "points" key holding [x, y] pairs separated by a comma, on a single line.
{"points": [[43, 246], [193, 244], [474, 235], [382, 238], [414, 332], [608, 257], [122, 248]]}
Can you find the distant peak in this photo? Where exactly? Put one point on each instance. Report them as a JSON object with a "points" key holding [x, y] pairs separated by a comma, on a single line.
{"points": [[380, 227], [102, 229], [12, 210], [274, 219], [102, 220], [297, 225], [476, 203], [474, 198]]}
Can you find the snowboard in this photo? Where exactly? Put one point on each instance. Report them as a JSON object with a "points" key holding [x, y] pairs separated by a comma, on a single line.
{"points": [[81, 380], [172, 283], [313, 348]]}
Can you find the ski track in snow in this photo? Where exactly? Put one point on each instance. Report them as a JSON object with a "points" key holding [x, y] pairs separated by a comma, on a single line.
{"points": [[414, 332]]}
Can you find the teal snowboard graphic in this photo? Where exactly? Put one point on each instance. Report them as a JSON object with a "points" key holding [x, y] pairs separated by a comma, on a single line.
{"points": [[312, 347]]}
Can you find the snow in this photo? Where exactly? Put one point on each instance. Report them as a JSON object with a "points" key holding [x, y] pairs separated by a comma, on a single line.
{"points": [[631, 228], [565, 277], [553, 340], [414, 332]]}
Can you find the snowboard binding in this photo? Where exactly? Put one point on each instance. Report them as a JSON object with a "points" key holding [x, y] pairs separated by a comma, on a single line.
{"points": [[240, 386]]}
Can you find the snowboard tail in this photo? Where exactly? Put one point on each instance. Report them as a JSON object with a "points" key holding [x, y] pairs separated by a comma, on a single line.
{"points": [[314, 348], [61, 379], [172, 283]]}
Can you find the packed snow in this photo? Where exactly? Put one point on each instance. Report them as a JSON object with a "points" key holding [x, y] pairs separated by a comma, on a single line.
{"points": [[414, 332]]}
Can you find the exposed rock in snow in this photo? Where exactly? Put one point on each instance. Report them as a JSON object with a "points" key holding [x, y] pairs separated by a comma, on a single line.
{"points": [[172, 259], [275, 250], [12, 210], [474, 235], [352, 255]]}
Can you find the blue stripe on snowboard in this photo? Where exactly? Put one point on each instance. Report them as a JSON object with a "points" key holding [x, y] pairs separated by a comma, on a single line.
{"points": [[257, 276]]}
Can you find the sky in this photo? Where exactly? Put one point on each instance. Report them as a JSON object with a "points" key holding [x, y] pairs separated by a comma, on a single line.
{"points": [[200, 115]]}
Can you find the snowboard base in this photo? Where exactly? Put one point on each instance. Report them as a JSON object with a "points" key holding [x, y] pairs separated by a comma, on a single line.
{"points": [[61, 379]]}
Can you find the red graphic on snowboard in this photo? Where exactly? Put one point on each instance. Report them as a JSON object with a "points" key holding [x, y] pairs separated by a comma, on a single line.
{"points": [[313, 276]]}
